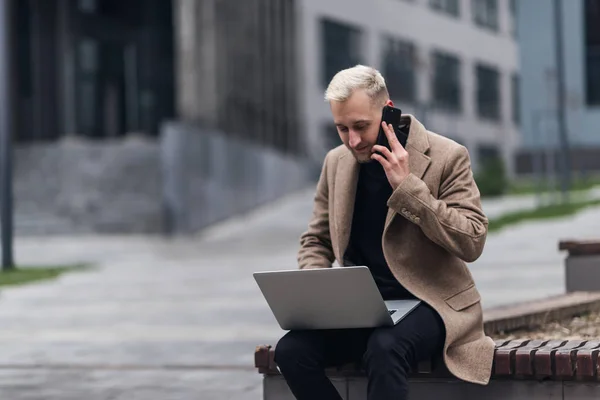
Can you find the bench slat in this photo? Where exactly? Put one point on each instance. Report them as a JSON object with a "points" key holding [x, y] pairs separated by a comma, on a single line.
{"points": [[586, 364], [524, 357]]}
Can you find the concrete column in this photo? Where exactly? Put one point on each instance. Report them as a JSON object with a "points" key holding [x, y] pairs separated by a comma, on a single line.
{"points": [[195, 25], [582, 265]]}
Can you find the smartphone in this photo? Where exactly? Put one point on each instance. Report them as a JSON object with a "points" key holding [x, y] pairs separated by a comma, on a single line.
{"points": [[391, 115]]}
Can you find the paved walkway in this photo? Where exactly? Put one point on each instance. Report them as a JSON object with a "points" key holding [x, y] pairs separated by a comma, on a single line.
{"points": [[179, 319]]}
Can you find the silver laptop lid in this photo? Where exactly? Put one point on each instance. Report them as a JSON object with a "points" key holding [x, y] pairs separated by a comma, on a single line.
{"points": [[329, 298]]}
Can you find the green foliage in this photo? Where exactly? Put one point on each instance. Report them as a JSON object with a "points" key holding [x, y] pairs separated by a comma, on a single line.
{"points": [[546, 212], [491, 178], [24, 275]]}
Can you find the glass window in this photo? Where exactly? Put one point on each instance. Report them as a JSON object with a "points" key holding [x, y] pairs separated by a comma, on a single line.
{"points": [[488, 92], [88, 55], [87, 6], [341, 48], [488, 153], [514, 16], [485, 13], [592, 51], [87, 85], [399, 68], [447, 82], [450, 7]]}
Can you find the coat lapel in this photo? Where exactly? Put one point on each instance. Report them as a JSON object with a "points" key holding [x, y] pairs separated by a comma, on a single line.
{"points": [[344, 196]]}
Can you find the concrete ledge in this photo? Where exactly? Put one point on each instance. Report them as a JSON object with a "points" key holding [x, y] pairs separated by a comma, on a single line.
{"points": [[580, 247], [536, 313]]}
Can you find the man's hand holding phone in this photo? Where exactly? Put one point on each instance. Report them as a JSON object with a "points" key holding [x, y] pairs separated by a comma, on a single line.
{"points": [[394, 162]]}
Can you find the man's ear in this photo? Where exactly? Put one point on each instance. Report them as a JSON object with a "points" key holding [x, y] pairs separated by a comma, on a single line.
{"points": [[389, 103]]}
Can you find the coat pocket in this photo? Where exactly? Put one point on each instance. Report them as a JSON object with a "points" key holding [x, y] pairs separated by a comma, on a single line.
{"points": [[464, 298]]}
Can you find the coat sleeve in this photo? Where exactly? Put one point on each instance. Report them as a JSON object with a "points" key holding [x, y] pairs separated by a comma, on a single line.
{"points": [[316, 250], [455, 220]]}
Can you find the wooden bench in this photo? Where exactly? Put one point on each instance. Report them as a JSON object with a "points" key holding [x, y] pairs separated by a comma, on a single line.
{"points": [[522, 370]]}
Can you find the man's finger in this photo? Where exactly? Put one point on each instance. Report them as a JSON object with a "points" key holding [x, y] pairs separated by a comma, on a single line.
{"points": [[384, 151], [391, 136], [384, 163]]}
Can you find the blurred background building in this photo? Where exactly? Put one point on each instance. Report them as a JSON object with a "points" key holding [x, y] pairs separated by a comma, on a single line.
{"points": [[94, 68], [581, 55], [452, 63], [168, 115], [98, 80]]}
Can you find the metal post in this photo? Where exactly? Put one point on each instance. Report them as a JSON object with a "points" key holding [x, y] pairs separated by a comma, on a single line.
{"points": [[538, 172], [6, 130], [565, 158]]}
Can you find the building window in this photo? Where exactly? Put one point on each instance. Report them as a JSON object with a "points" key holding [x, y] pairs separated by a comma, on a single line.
{"points": [[450, 7], [399, 69], [341, 48], [516, 103], [485, 13], [446, 82], [88, 6], [592, 51], [488, 92], [513, 18], [488, 155]]}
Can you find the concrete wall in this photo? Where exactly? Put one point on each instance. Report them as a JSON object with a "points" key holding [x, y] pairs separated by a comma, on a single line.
{"points": [[209, 176], [416, 22], [181, 183], [538, 68], [82, 186]]}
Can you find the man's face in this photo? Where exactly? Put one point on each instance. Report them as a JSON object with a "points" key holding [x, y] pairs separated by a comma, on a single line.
{"points": [[357, 120]]}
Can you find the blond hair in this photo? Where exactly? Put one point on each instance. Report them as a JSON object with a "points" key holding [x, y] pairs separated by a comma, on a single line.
{"points": [[345, 82]]}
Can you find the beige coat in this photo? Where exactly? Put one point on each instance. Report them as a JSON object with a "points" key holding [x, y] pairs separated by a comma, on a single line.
{"points": [[434, 225]]}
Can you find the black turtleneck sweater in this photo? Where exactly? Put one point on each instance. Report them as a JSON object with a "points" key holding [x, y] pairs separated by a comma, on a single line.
{"points": [[370, 210]]}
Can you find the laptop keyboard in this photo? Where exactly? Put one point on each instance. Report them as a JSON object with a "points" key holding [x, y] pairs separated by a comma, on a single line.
{"points": [[392, 311]]}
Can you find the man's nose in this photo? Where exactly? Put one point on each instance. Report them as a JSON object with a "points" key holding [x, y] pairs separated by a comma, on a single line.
{"points": [[354, 139]]}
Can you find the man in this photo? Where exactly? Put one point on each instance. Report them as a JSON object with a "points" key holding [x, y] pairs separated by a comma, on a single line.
{"points": [[413, 216]]}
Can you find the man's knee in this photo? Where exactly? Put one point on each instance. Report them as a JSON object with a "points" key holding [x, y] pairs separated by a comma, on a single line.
{"points": [[292, 350], [286, 350], [385, 349]]}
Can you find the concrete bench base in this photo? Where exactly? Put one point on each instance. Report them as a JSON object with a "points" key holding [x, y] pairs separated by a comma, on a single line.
{"points": [[582, 266], [275, 388]]}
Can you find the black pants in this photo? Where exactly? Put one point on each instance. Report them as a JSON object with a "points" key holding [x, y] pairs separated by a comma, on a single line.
{"points": [[389, 354]]}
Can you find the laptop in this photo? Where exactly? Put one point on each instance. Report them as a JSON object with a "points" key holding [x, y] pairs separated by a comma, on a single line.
{"points": [[329, 298]]}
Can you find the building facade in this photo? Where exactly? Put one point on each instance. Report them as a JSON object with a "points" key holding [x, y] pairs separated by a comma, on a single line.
{"points": [[99, 81], [258, 69], [452, 63], [581, 76], [93, 68], [245, 74]]}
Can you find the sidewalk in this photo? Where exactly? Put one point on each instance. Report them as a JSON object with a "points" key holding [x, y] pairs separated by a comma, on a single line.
{"points": [[179, 319]]}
